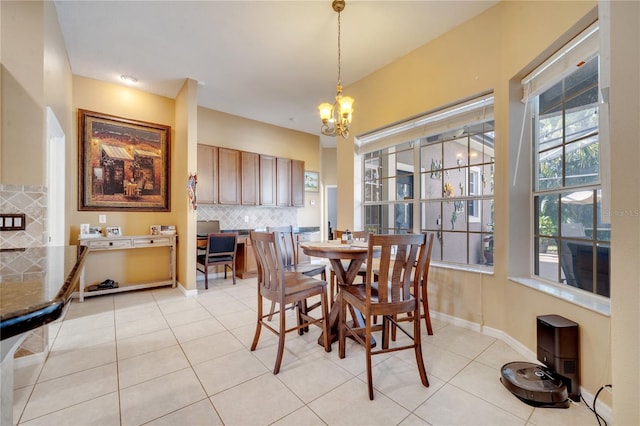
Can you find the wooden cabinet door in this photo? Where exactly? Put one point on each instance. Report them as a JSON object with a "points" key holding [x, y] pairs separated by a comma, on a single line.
{"points": [[267, 180], [250, 178], [229, 176], [283, 177], [297, 183], [207, 189]]}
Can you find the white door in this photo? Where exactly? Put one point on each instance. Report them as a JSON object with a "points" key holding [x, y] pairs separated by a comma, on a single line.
{"points": [[55, 181]]}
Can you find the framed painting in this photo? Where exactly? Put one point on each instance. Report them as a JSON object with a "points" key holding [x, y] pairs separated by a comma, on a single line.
{"points": [[311, 181], [123, 164]]}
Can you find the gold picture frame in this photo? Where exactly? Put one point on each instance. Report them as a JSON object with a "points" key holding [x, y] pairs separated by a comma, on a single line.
{"points": [[123, 164]]}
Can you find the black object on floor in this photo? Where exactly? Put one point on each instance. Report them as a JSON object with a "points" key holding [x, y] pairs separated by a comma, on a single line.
{"points": [[535, 384], [104, 285]]}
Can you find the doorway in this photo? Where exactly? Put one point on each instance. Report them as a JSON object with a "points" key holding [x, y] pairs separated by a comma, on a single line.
{"points": [[331, 196], [56, 143]]}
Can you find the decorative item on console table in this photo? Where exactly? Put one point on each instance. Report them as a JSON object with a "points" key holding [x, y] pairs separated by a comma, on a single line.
{"points": [[167, 230], [113, 231], [88, 231]]}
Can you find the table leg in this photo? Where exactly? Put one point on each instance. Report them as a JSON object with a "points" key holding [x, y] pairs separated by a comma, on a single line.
{"points": [[344, 278]]}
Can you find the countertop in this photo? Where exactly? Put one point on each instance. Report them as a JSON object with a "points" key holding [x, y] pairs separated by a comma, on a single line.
{"points": [[296, 230], [35, 285]]}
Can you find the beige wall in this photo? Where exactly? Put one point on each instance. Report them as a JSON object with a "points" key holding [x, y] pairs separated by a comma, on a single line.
{"points": [[329, 166], [219, 129], [184, 160], [484, 54], [490, 52], [23, 103], [121, 101], [625, 202]]}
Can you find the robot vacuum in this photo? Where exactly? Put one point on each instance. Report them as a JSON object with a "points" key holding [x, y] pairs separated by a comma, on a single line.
{"points": [[535, 384]]}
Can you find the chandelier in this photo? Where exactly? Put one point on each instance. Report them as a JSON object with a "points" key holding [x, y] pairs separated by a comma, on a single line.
{"points": [[336, 117]]}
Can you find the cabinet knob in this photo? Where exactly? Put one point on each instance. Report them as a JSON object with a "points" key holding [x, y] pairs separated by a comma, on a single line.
{"points": [[151, 241], [110, 243]]}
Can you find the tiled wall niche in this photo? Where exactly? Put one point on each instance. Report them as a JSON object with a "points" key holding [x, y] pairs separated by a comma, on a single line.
{"points": [[32, 201]]}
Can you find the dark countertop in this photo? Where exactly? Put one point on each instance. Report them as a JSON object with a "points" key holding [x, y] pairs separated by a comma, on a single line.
{"points": [[245, 232], [35, 285]]}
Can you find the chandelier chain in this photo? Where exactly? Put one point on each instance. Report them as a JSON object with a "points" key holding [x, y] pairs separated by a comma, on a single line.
{"points": [[336, 115], [339, 82]]}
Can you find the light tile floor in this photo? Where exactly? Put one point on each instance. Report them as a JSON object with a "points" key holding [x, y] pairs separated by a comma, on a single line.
{"points": [[157, 357]]}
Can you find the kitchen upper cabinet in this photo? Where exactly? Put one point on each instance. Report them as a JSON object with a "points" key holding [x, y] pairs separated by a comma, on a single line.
{"points": [[207, 174], [267, 180], [250, 178], [283, 178], [229, 177], [297, 183], [233, 177]]}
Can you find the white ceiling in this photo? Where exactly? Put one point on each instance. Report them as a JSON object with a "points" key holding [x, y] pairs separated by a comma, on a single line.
{"points": [[271, 61]]}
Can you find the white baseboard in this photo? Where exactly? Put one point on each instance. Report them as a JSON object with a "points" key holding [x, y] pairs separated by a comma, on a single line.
{"points": [[187, 292], [602, 409]]}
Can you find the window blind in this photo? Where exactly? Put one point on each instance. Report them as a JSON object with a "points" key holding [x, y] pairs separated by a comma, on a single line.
{"points": [[562, 63], [470, 112]]}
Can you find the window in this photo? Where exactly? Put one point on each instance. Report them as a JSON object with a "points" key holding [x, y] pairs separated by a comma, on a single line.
{"points": [[389, 189], [474, 189], [435, 173], [570, 240], [458, 168]]}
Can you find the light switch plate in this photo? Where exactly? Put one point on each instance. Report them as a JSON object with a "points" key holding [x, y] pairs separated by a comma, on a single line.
{"points": [[12, 221], [102, 218]]}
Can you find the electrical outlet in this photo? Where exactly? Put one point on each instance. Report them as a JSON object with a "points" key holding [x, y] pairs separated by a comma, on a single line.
{"points": [[102, 218], [246, 219]]}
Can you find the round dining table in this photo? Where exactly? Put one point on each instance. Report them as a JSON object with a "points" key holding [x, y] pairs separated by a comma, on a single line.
{"points": [[356, 253]]}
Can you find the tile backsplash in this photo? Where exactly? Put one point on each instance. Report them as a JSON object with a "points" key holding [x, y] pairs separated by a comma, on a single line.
{"points": [[233, 217], [32, 201]]}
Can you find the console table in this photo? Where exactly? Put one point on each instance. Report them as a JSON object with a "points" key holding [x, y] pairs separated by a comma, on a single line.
{"points": [[129, 242]]}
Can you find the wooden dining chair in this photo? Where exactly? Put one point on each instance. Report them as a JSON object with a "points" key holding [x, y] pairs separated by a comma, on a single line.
{"points": [[221, 250], [290, 259], [290, 254], [283, 288], [424, 298], [390, 296], [333, 282]]}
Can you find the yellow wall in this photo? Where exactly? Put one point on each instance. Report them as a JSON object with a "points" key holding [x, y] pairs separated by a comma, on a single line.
{"points": [[625, 202], [491, 51], [121, 101], [329, 166], [219, 129], [23, 113], [483, 54], [185, 159]]}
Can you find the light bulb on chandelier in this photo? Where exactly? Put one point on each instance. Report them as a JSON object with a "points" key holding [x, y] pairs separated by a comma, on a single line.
{"points": [[336, 117]]}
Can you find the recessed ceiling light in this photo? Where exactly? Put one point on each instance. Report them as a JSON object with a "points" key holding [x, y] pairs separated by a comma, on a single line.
{"points": [[128, 79]]}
